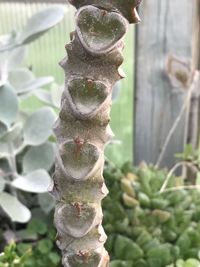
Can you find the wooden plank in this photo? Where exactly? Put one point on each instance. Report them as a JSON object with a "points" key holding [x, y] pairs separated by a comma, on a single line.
{"points": [[194, 109], [166, 28], [196, 39]]}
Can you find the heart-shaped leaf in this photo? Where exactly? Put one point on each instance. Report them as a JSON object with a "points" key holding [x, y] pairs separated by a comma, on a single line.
{"points": [[8, 105], [87, 95], [14, 208], [76, 219], [39, 157], [98, 30], [39, 23], [79, 160], [34, 182], [38, 126]]}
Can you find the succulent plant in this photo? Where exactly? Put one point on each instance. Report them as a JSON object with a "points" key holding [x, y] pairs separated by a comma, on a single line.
{"points": [[147, 228], [91, 69]]}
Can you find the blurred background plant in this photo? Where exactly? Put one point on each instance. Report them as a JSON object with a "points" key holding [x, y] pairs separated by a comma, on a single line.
{"points": [[43, 58], [146, 228], [26, 151]]}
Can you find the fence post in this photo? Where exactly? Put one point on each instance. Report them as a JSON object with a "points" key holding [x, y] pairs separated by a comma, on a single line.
{"points": [[166, 30]]}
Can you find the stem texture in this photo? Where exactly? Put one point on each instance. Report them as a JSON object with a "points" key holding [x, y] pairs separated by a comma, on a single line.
{"points": [[91, 69]]}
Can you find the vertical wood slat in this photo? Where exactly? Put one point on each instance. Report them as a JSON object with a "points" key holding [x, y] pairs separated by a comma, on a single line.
{"points": [[196, 39], [166, 28], [194, 111], [196, 60]]}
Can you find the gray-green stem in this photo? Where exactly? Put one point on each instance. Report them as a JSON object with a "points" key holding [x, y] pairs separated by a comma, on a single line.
{"points": [[91, 70]]}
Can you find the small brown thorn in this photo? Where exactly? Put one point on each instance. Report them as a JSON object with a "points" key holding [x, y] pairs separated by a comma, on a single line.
{"points": [[121, 73], [79, 143], [104, 12], [85, 255], [79, 207], [72, 36]]}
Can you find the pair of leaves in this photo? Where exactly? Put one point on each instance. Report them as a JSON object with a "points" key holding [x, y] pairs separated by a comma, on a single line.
{"points": [[23, 81], [35, 182], [37, 128], [10, 60], [20, 78], [36, 26]]}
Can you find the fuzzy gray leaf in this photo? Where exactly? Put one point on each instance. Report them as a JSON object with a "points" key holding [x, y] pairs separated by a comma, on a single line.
{"points": [[39, 23], [35, 182], [39, 157], [34, 84], [14, 208], [38, 126]]}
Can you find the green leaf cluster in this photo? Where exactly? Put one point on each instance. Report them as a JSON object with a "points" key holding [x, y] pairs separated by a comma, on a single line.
{"points": [[42, 234], [146, 228], [37, 246], [11, 258]]}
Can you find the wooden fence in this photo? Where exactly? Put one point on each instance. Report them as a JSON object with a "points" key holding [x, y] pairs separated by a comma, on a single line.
{"points": [[166, 31]]}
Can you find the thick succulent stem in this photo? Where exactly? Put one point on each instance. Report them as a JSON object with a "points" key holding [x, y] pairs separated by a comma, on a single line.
{"points": [[91, 69]]}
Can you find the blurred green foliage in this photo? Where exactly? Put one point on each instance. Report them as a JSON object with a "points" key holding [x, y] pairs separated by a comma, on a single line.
{"points": [[146, 228], [11, 258], [35, 247]]}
